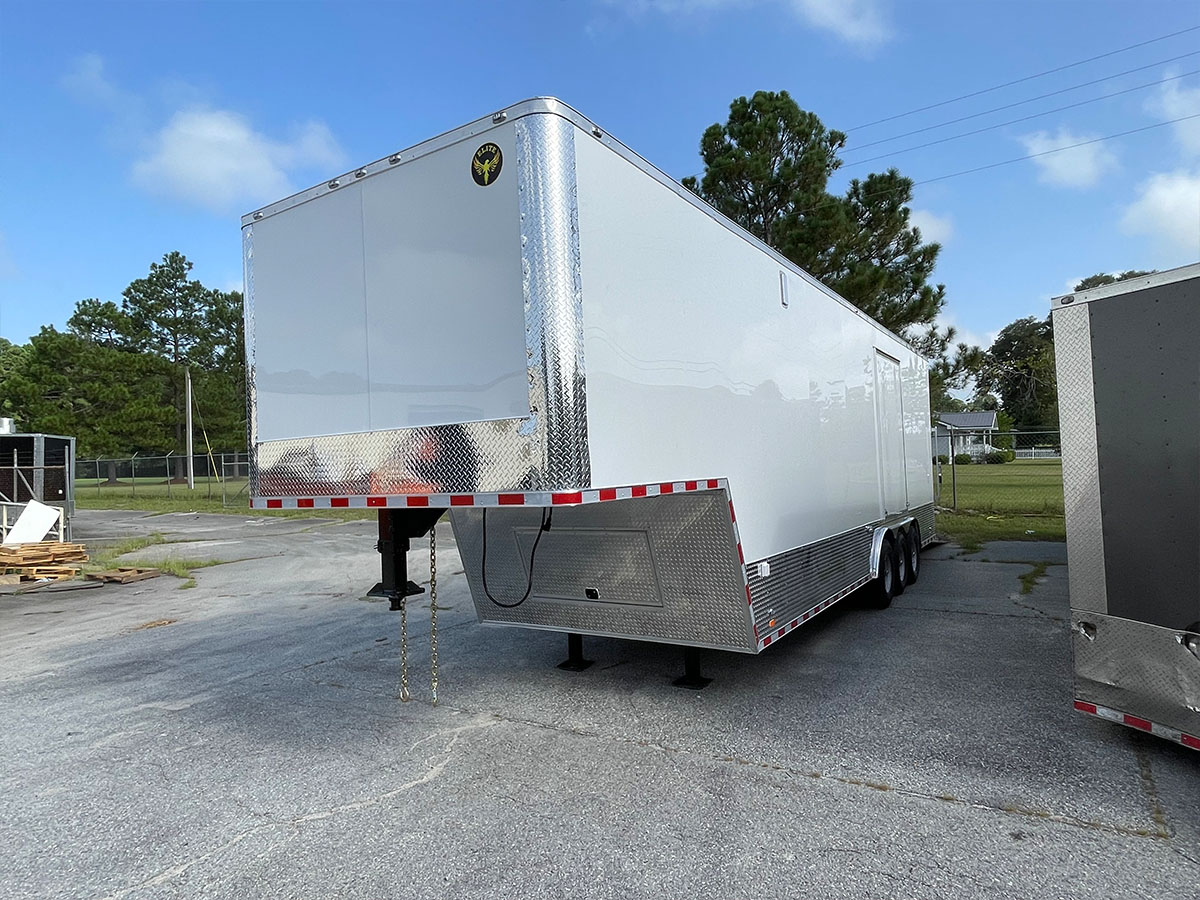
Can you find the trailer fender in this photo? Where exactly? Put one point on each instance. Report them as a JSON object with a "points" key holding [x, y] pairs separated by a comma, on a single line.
{"points": [[882, 531]]}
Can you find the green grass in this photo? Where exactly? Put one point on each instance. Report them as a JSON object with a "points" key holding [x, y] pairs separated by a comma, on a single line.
{"points": [[104, 558], [973, 530], [1029, 579], [180, 568], [109, 558], [1020, 500], [1024, 486]]}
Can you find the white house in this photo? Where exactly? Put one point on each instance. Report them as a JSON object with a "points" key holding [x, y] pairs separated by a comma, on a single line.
{"points": [[969, 432]]}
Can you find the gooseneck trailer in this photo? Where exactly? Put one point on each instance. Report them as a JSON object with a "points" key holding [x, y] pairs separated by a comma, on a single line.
{"points": [[1128, 376], [643, 422]]}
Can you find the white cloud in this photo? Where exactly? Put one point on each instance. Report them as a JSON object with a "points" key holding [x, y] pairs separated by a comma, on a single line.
{"points": [[215, 159], [934, 228], [1080, 167], [1167, 210], [861, 22], [857, 21], [209, 157], [88, 82], [963, 334], [1174, 101]]}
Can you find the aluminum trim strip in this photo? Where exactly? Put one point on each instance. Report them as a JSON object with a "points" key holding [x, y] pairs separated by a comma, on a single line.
{"points": [[248, 342], [553, 297], [1170, 276], [1081, 467]]}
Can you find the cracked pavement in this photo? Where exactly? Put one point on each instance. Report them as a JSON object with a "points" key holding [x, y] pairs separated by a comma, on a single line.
{"points": [[256, 747]]}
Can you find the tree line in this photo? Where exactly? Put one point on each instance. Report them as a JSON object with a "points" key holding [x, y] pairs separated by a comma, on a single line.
{"points": [[115, 377]]}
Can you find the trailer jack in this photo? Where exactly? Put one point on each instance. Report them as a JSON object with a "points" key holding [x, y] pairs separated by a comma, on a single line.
{"points": [[691, 677], [574, 661], [396, 527]]}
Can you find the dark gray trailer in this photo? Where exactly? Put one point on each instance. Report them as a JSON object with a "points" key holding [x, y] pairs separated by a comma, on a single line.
{"points": [[1128, 358]]}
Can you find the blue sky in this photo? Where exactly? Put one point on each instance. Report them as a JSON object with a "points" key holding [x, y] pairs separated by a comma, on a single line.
{"points": [[133, 129]]}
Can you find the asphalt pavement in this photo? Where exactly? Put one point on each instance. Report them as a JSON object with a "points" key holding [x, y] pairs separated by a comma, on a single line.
{"points": [[244, 738]]}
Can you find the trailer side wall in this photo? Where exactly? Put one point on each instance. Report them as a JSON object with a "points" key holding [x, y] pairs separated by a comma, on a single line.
{"points": [[695, 368]]}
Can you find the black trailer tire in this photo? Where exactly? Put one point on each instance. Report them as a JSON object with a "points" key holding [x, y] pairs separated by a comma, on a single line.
{"points": [[883, 588], [913, 548], [901, 551]]}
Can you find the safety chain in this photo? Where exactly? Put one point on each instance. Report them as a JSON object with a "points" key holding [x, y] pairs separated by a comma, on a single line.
{"points": [[433, 607], [404, 695]]}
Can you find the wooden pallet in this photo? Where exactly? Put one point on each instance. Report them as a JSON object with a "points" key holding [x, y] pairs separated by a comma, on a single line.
{"points": [[42, 552], [124, 574], [42, 560]]}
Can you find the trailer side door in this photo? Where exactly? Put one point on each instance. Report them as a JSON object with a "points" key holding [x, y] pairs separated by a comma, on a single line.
{"points": [[889, 434]]}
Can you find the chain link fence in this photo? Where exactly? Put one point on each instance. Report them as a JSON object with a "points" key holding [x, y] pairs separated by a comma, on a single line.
{"points": [[995, 472], [217, 476]]}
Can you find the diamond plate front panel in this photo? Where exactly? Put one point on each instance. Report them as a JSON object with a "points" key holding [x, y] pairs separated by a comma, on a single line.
{"points": [[1142, 669], [548, 450], [1081, 470], [695, 570], [477, 456]]}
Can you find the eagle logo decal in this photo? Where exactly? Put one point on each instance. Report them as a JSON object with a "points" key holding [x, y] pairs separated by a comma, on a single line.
{"points": [[486, 164]]}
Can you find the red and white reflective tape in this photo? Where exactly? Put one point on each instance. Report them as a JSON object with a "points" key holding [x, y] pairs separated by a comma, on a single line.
{"points": [[1122, 718], [737, 539], [777, 633], [504, 498]]}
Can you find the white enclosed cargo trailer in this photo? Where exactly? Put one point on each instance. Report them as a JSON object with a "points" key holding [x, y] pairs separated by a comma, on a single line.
{"points": [[1128, 374], [644, 422]]}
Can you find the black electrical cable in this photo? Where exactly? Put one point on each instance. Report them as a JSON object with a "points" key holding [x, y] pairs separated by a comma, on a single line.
{"points": [[1004, 162], [547, 518], [988, 112], [1037, 115], [1021, 80]]}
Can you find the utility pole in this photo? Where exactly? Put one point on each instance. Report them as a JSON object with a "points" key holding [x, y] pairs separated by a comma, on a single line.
{"points": [[191, 473]]}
